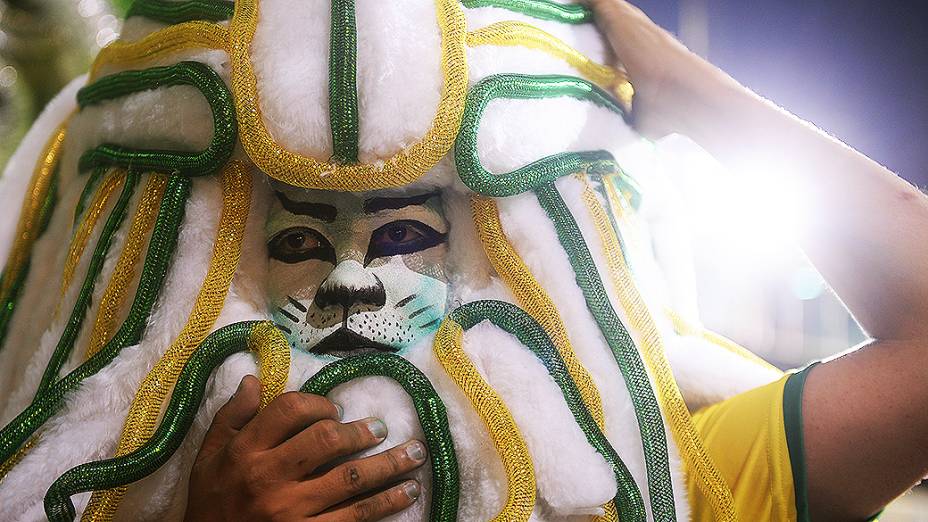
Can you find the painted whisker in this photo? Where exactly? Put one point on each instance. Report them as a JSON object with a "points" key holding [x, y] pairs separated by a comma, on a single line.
{"points": [[296, 304], [406, 300], [289, 316], [419, 311]]}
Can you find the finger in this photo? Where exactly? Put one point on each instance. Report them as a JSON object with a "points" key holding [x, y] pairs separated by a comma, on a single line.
{"points": [[234, 414], [284, 417], [361, 476], [375, 507], [325, 441]]}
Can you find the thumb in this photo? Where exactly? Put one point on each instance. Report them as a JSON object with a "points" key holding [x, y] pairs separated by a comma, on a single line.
{"points": [[234, 414]]}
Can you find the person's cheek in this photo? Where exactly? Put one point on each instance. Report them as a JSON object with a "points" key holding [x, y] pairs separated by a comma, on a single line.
{"points": [[296, 281]]}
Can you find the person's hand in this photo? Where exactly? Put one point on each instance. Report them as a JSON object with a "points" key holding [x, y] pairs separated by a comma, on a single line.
{"points": [[667, 77], [277, 464]]}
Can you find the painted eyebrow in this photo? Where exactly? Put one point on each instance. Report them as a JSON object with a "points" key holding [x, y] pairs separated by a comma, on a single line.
{"points": [[373, 205], [320, 211]]}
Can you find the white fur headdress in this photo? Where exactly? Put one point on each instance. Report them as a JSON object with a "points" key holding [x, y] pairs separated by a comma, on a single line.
{"points": [[145, 187]]}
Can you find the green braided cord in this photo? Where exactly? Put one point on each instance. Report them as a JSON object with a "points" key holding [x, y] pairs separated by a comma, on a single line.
{"points": [[172, 12], [429, 407], [8, 306], [343, 82], [545, 170], [93, 181], [195, 74], [79, 312], [540, 176], [515, 321], [647, 410], [157, 260], [181, 410], [542, 9]]}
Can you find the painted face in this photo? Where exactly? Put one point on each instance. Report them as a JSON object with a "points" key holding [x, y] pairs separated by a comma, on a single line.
{"points": [[355, 273]]}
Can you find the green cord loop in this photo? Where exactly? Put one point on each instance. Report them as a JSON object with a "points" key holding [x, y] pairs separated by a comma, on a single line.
{"points": [[517, 322], [429, 407], [66, 342], [157, 260], [540, 172], [173, 12], [196, 74], [179, 416], [647, 409], [541, 9]]}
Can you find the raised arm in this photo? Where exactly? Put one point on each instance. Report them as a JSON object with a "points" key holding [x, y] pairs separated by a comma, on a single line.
{"points": [[865, 229]]}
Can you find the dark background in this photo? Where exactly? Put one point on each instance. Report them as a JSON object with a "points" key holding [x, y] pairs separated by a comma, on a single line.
{"points": [[857, 69]]}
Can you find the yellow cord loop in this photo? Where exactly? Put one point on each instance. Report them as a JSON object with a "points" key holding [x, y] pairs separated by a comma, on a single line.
{"points": [[187, 35], [696, 460], [511, 33], [532, 298], [117, 290], [91, 216], [273, 351], [520, 34], [27, 229], [405, 167], [15, 459], [502, 428], [146, 406]]}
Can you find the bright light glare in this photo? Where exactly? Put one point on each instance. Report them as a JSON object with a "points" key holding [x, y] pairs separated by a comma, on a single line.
{"points": [[753, 216]]}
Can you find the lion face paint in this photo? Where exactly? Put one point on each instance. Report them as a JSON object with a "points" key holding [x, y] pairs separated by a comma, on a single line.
{"points": [[353, 273]]}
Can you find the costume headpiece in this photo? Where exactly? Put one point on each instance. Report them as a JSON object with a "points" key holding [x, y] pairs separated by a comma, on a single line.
{"points": [[139, 265]]}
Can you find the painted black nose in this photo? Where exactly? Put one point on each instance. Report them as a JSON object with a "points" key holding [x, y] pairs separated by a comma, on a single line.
{"points": [[340, 295]]}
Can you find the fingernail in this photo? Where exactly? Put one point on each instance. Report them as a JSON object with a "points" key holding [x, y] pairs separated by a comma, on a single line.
{"points": [[241, 384], [377, 428], [339, 411], [411, 489], [416, 451]]}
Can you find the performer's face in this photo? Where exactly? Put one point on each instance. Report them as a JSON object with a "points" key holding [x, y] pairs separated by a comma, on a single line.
{"points": [[356, 273]]}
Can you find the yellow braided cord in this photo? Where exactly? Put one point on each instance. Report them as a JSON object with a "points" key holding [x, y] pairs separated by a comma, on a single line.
{"points": [[532, 297], [273, 351], [512, 33], [405, 167], [188, 35], [682, 327], [84, 231], [15, 459], [697, 462], [502, 427], [116, 291], [534, 300], [617, 201], [146, 406], [27, 228]]}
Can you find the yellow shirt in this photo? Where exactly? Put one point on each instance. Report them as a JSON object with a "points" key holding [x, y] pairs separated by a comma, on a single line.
{"points": [[751, 438]]}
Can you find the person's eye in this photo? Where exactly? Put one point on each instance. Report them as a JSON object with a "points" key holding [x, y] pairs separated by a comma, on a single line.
{"points": [[403, 237], [298, 244]]}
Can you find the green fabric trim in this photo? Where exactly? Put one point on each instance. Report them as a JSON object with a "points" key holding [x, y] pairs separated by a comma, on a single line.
{"points": [[792, 422], [343, 83]]}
